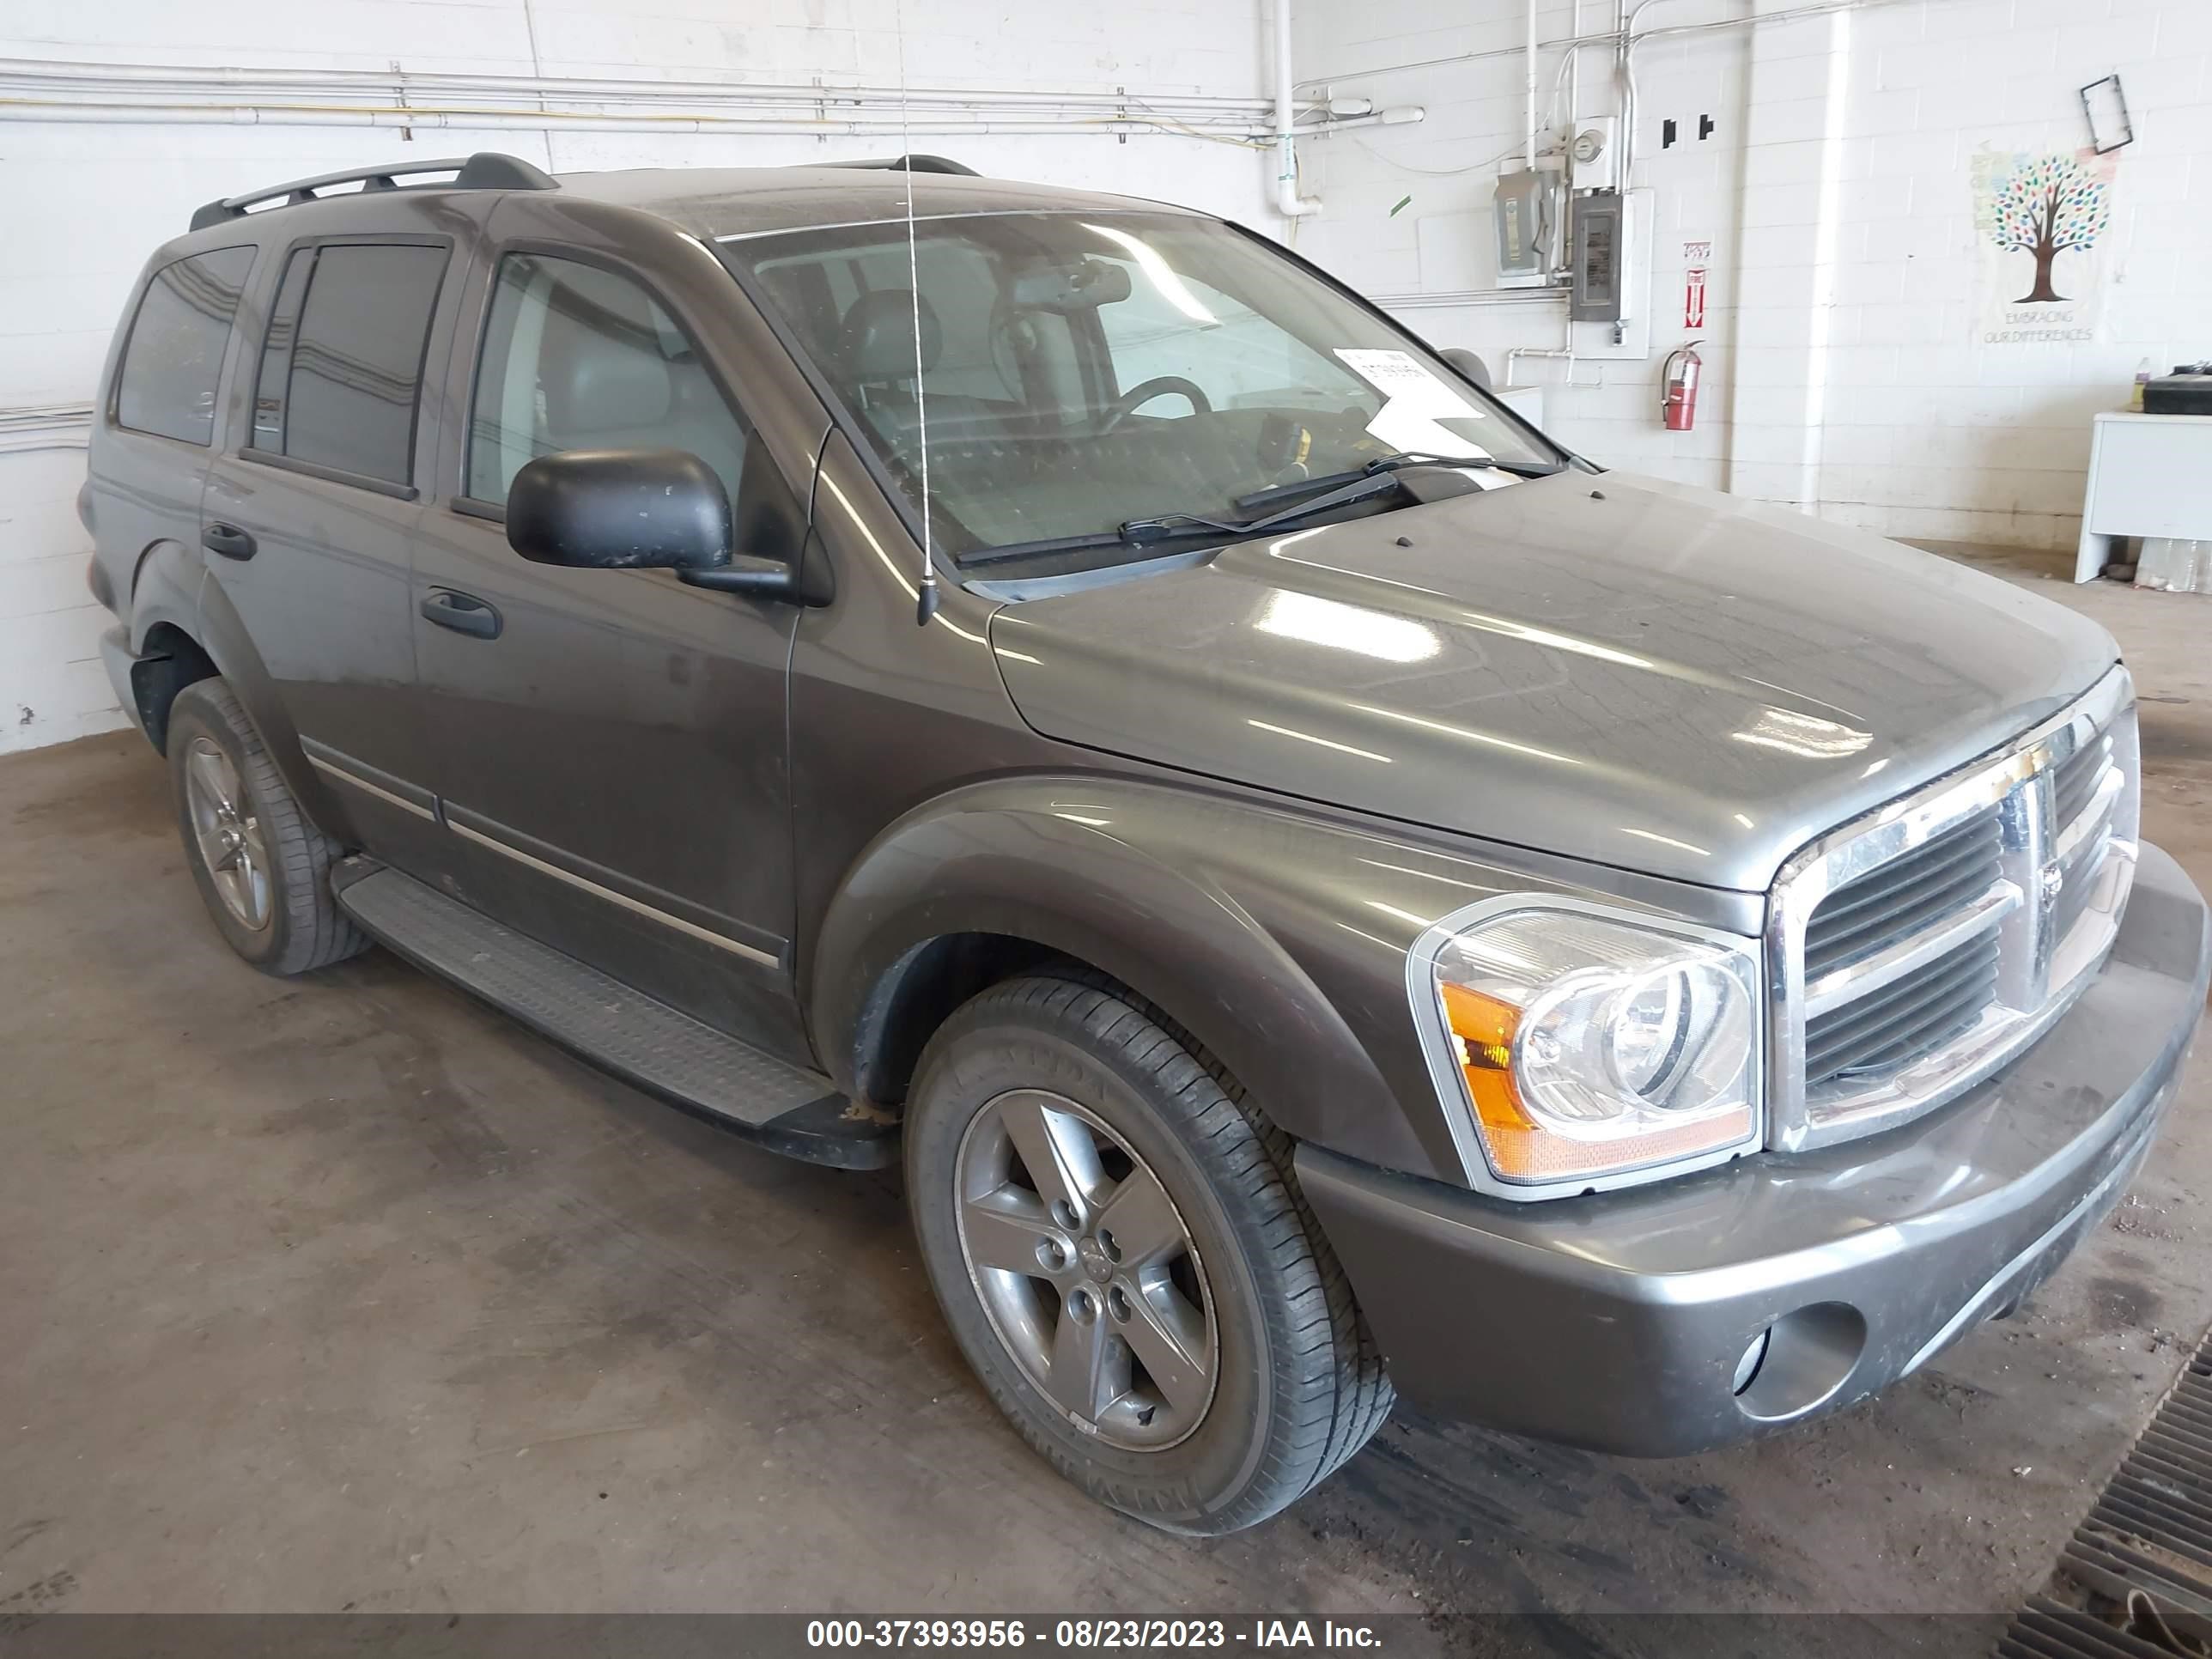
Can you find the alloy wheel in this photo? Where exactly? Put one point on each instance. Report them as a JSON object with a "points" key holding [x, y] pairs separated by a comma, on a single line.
{"points": [[1086, 1270], [228, 833]]}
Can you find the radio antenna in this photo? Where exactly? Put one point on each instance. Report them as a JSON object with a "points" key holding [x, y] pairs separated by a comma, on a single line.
{"points": [[925, 595]]}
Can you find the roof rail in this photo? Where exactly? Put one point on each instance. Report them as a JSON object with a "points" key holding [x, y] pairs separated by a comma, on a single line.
{"points": [[485, 170], [906, 164]]}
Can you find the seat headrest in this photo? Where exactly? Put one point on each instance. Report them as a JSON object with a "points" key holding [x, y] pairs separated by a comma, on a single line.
{"points": [[876, 340], [601, 372]]}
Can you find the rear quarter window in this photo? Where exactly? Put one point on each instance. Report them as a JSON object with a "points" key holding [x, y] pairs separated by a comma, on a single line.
{"points": [[173, 356]]}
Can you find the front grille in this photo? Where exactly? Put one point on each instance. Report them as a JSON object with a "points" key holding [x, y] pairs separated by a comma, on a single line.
{"points": [[2081, 801], [1905, 1019], [1919, 947], [2076, 778], [1904, 895]]}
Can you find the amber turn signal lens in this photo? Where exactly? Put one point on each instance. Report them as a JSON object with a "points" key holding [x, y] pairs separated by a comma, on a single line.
{"points": [[1482, 1027]]}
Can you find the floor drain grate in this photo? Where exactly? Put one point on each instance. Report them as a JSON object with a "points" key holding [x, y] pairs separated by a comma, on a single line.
{"points": [[2140, 1567]]}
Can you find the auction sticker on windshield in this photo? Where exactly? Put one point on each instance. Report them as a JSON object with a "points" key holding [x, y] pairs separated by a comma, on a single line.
{"points": [[1416, 402]]}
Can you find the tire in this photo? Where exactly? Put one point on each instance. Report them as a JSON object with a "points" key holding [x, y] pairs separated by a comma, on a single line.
{"points": [[273, 903], [1296, 1385]]}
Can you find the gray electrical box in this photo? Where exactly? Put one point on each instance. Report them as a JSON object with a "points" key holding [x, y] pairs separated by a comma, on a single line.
{"points": [[1526, 235], [1597, 232]]}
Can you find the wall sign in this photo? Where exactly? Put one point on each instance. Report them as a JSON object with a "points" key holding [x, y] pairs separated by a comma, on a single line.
{"points": [[1693, 297], [2041, 221]]}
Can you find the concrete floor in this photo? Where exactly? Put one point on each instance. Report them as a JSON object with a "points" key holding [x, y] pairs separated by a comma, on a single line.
{"points": [[347, 1293]]}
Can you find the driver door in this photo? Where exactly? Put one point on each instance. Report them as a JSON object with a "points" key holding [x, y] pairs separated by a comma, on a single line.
{"points": [[610, 744]]}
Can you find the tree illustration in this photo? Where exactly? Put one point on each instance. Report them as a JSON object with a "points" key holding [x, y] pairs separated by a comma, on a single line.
{"points": [[2048, 204]]}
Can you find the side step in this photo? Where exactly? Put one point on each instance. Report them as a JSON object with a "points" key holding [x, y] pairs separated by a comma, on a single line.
{"points": [[643, 1042]]}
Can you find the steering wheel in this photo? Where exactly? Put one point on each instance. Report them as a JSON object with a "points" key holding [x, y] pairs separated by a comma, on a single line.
{"points": [[1158, 386]]}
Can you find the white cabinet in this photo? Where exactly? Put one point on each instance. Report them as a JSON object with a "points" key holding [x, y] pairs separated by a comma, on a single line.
{"points": [[2150, 475]]}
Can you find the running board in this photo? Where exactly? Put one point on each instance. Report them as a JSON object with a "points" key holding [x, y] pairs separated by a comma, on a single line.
{"points": [[643, 1042]]}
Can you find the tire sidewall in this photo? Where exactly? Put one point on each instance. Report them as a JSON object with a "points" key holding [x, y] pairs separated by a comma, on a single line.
{"points": [[192, 717], [975, 1060]]}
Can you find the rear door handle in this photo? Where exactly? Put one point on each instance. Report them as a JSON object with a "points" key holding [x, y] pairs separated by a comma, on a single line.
{"points": [[229, 540], [464, 613]]}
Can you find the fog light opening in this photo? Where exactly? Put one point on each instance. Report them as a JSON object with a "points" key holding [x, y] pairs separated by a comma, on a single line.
{"points": [[1800, 1361], [1747, 1369]]}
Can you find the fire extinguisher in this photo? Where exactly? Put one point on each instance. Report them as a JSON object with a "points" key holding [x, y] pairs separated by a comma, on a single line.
{"points": [[1679, 374]]}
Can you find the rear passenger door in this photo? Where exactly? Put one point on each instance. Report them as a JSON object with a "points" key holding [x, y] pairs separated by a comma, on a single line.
{"points": [[310, 515]]}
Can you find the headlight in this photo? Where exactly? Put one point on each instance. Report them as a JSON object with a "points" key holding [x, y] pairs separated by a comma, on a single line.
{"points": [[1585, 1047]]}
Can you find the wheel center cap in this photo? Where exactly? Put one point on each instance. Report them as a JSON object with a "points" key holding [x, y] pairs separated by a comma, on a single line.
{"points": [[1096, 1266]]}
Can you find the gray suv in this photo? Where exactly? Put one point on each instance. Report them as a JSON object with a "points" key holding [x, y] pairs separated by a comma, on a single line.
{"points": [[1326, 891]]}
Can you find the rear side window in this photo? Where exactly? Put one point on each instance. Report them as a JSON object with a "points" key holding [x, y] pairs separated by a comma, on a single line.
{"points": [[342, 369], [174, 355]]}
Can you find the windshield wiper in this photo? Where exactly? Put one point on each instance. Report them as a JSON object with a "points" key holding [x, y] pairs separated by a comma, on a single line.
{"points": [[1377, 477], [1394, 464]]}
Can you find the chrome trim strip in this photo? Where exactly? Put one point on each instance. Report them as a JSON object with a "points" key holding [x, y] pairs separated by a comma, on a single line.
{"points": [[624, 899], [1871, 974], [333, 769]]}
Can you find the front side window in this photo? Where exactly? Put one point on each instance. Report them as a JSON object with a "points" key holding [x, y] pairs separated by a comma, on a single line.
{"points": [[342, 369], [174, 355], [575, 357], [1081, 371]]}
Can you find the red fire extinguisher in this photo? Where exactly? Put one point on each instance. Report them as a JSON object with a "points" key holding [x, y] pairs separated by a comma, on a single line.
{"points": [[1679, 374]]}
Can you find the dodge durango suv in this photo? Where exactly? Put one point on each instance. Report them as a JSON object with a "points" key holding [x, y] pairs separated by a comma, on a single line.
{"points": [[1328, 894]]}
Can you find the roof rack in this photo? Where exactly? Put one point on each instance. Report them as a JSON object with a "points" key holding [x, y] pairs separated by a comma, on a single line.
{"points": [[906, 164], [485, 170]]}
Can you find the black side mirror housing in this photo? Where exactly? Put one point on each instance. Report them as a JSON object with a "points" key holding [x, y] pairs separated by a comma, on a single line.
{"points": [[1468, 364], [645, 509], [620, 509]]}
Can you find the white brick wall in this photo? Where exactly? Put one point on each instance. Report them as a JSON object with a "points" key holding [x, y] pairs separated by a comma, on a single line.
{"points": [[85, 203], [1852, 387]]}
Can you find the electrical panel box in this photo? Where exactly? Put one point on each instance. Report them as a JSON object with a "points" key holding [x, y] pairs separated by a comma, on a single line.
{"points": [[1525, 217], [1597, 235]]}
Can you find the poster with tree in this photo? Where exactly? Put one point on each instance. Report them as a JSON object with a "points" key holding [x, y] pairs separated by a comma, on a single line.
{"points": [[2042, 222]]}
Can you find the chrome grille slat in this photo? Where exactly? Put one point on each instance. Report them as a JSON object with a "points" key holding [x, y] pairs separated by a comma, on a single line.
{"points": [[2077, 777], [1904, 896], [1909, 1018], [1918, 948]]}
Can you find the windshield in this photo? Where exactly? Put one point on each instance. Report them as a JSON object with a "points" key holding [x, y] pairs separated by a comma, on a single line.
{"points": [[1079, 371]]}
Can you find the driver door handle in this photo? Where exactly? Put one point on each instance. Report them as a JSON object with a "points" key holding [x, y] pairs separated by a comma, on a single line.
{"points": [[229, 540], [464, 613]]}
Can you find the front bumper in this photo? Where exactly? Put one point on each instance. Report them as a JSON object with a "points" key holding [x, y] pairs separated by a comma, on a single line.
{"points": [[1623, 1321]]}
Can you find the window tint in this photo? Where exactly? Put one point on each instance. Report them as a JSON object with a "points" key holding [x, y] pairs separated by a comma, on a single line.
{"points": [[575, 357], [174, 354], [347, 399], [277, 353]]}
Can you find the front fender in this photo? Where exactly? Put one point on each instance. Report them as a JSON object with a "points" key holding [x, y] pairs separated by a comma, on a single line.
{"points": [[1277, 937], [1170, 891]]}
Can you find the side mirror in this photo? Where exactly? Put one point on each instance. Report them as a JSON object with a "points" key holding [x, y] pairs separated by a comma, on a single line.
{"points": [[635, 509], [1468, 364]]}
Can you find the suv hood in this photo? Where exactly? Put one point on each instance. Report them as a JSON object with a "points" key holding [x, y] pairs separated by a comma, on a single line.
{"points": [[1644, 674]]}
